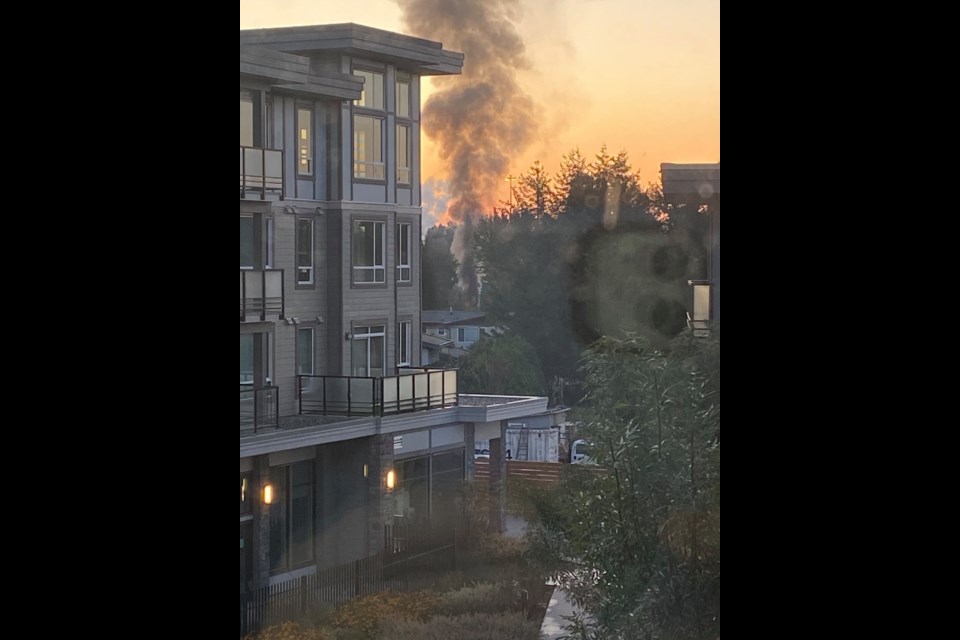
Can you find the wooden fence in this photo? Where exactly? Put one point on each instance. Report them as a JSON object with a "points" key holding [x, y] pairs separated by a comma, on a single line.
{"points": [[539, 472], [408, 562]]}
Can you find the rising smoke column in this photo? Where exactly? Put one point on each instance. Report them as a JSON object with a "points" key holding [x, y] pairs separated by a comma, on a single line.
{"points": [[484, 118]]}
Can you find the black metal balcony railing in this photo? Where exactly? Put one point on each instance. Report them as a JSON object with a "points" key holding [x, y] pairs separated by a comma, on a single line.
{"points": [[261, 172], [259, 408], [412, 390], [261, 294]]}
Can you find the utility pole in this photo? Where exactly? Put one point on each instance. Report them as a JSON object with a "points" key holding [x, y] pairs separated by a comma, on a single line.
{"points": [[510, 179]]}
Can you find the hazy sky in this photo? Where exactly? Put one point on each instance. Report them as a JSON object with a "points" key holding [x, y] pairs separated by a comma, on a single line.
{"points": [[638, 75]]}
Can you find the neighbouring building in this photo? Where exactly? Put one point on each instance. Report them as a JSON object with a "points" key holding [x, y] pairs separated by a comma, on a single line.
{"points": [[699, 185], [451, 332], [341, 431]]}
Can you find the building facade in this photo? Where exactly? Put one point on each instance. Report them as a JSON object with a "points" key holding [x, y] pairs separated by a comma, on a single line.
{"points": [[341, 433]]}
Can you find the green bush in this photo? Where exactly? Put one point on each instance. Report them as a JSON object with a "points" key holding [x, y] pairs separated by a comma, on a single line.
{"points": [[288, 631], [480, 598], [364, 615], [509, 626]]}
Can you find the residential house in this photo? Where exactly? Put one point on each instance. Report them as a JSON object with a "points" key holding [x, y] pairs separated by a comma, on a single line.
{"points": [[340, 433], [451, 332]]}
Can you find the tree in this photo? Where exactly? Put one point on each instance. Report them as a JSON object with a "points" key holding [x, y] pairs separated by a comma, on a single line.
{"points": [[504, 364], [439, 271], [639, 545]]}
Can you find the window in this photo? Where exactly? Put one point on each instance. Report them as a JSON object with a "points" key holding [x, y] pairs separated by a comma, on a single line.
{"points": [[304, 142], [441, 332], [367, 353], [372, 95], [403, 344], [412, 496], [468, 334], [305, 352], [304, 251], [246, 119], [368, 250], [291, 516], [403, 252], [446, 477], [248, 347], [247, 247], [403, 154], [246, 504], [368, 147], [403, 94], [246, 242]]}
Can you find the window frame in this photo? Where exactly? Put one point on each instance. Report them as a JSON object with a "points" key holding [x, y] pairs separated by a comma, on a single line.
{"points": [[404, 227], [405, 79], [313, 342], [378, 167], [404, 152], [404, 339], [378, 269], [308, 145], [312, 267], [284, 488], [367, 336]]}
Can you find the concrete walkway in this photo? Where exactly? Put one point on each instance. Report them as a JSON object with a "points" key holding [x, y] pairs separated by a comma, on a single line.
{"points": [[559, 607]]}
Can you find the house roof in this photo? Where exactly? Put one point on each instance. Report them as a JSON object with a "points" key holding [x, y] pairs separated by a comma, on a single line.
{"points": [[448, 317], [425, 57], [434, 342], [690, 183]]}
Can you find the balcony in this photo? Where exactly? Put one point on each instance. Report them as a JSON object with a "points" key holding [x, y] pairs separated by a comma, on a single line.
{"points": [[699, 320], [261, 295], [259, 408], [412, 390], [261, 173]]}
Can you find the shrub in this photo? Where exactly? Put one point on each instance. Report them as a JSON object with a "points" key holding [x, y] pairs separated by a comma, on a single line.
{"points": [[509, 626], [480, 598], [365, 614], [288, 631]]}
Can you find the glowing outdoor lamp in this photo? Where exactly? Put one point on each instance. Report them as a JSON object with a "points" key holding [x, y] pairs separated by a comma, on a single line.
{"points": [[268, 494], [391, 479]]}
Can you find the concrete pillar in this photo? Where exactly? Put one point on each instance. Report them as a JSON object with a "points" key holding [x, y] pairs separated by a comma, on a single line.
{"points": [[469, 444], [261, 523], [380, 500], [498, 473]]}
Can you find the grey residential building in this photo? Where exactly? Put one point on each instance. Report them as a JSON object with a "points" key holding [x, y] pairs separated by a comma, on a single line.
{"points": [[341, 431]]}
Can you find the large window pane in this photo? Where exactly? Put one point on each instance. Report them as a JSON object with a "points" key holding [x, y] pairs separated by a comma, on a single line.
{"points": [[403, 154], [372, 95], [368, 147], [304, 251], [301, 513], [246, 243], [368, 248], [403, 253], [246, 359], [305, 351], [403, 95], [246, 119]]}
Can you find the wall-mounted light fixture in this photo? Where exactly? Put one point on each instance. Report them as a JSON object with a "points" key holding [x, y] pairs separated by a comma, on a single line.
{"points": [[320, 319], [366, 470], [391, 480], [268, 494], [346, 335]]}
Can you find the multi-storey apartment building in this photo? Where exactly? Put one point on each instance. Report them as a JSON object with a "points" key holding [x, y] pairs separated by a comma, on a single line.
{"points": [[340, 433]]}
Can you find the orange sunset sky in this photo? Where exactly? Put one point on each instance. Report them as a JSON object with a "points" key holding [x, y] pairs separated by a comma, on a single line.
{"points": [[638, 75]]}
